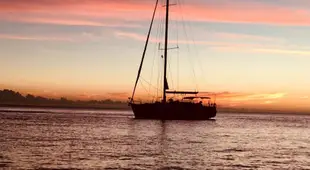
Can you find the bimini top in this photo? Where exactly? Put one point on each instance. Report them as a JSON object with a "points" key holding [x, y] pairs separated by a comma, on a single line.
{"points": [[182, 92], [195, 97]]}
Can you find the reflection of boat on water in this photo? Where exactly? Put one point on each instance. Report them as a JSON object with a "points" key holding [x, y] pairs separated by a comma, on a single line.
{"points": [[185, 109]]}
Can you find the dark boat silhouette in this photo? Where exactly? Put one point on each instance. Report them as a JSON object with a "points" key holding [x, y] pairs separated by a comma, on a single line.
{"points": [[185, 109]]}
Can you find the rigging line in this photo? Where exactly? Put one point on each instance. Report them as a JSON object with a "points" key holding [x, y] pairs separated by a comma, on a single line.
{"points": [[149, 83], [161, 86], [148, 93], [186, 37], [158, 78], [159, 28], [152, 70], [169, 63], [176, 33], [154, 54], [158, 35], [158, 32], [170, 58], [196, 50], [143, 55], [178, 70], [178, 53], [160, 53], [196, 56], [178, 59], [161, 25]]}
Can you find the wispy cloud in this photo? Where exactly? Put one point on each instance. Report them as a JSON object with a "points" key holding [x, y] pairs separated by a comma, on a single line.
{"points": [[215, 35], [132, 35], [259, 47], [69, 21], [283, 51], [34, 38], [247, 37], [69, 38], [304, 97]]}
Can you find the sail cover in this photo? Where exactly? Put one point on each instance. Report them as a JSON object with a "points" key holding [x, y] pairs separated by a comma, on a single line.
{"points": [[166, 84]]}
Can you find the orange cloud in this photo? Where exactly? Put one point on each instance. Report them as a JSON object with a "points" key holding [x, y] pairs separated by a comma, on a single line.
{"points": [[266, 96], [252, 100], [247, 96], [268, 102], [236, 99], [119, 96]]}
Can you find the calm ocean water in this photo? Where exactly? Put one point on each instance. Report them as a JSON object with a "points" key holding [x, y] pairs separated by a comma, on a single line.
{"points": [[74, 139]]}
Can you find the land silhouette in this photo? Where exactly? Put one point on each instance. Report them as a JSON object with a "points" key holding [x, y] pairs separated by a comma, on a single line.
{"points": [[10, 98]]}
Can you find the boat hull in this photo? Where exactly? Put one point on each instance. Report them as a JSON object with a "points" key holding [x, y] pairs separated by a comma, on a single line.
{"points": [[173, 111]]}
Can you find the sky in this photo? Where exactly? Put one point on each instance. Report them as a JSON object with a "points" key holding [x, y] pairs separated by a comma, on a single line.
{"points": [[253, 53]]}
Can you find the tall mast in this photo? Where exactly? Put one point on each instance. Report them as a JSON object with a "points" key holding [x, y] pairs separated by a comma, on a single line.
{"points": [[166, 51]]}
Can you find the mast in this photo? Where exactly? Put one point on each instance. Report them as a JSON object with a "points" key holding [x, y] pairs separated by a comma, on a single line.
{"points": [[166, 51]]}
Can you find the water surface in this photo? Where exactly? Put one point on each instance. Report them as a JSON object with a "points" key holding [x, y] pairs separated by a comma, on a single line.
{"points": [[85, 139]]}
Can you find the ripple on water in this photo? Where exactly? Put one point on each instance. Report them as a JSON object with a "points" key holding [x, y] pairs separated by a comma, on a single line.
{"points": [[58, 169], [228, 157], [231, 150], [5, 164], [173, 168]]}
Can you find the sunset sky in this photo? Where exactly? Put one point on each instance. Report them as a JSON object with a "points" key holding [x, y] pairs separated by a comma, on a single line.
{"points": [[249, 52]]}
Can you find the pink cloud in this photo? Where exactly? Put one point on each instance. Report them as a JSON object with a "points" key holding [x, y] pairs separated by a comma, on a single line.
{"points": [[89, 13], [69, 21], [249, 13], [128, 10]]}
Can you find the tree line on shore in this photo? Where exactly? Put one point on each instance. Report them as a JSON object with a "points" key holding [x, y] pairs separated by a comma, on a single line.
{"points": [[12, 97]]}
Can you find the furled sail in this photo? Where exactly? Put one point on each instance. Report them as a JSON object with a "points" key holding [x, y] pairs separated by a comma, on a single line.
{"points": [[166, 84]]}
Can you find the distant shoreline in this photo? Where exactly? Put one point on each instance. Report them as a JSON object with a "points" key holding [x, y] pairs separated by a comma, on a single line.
{"points": [[10, 98], [125, 107], [82, 107]]}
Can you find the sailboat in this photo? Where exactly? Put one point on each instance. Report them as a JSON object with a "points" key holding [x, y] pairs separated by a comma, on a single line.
{"points": [[186, 109]]}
